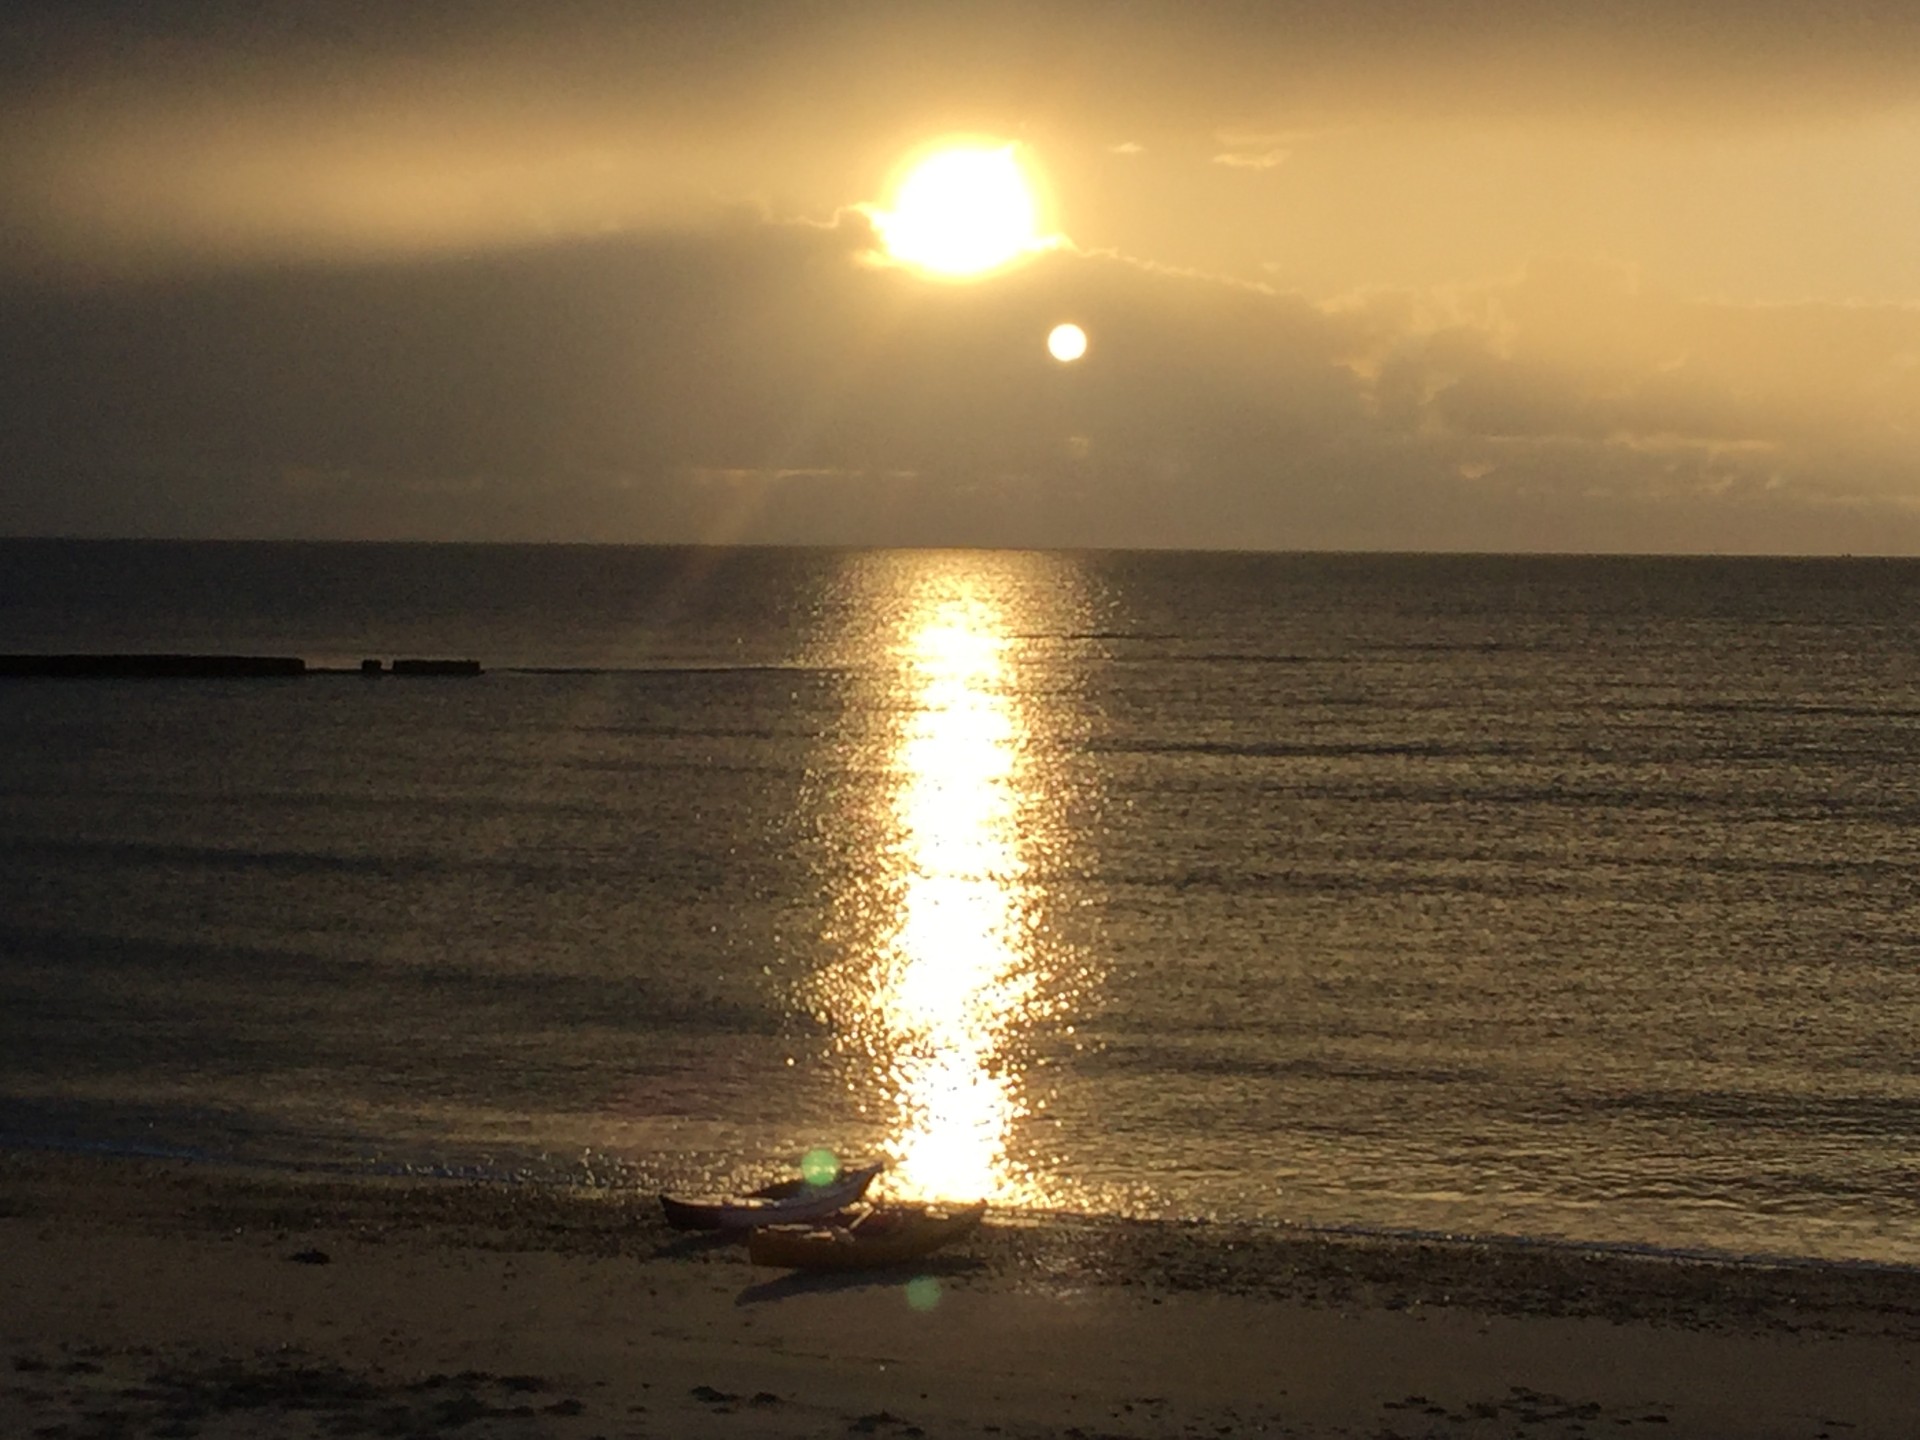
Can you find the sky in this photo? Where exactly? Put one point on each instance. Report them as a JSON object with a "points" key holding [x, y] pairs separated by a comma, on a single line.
{"points": [[1484, 276]]}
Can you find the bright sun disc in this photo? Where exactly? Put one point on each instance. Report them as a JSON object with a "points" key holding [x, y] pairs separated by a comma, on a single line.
{"points": [[961, 212], [1066, 342]]}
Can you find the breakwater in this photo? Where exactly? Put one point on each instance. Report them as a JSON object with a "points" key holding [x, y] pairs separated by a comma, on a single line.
{"points": [[152, 667], [203, 667]]}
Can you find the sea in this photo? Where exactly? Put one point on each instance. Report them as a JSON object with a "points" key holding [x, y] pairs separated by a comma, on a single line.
{"points": [[1562, 900]]}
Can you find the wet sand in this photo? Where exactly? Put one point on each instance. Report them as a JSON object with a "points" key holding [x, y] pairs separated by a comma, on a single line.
{"points": [[158, 1299]]}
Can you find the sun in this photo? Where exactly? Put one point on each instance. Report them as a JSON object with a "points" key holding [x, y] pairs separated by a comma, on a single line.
{"points": [[1066, 342], [962, 211]]}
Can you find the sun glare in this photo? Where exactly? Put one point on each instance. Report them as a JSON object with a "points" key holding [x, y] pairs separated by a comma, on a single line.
{"points": [[962, 212]]}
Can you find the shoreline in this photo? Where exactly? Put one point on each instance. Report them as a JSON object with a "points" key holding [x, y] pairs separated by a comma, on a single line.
{"points": [[192, 1300], [1262, 1259], [311, 1174]]}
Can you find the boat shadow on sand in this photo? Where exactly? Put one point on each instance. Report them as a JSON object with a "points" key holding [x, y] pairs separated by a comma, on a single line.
{"points": [[891, 1277]]}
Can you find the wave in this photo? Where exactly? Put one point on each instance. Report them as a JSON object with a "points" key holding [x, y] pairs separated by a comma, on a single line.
{"points": [[1301, 749]]}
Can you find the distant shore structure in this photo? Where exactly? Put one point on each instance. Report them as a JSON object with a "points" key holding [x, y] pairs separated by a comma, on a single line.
{"points": [[202, 667]]}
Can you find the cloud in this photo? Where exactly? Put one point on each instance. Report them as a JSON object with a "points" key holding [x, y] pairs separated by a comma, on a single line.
{"points": [[1664, 423], [236, 130], [1583, 349], [1261, 160], [753, 381]]}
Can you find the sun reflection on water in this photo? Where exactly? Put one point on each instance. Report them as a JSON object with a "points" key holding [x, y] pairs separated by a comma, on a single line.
{"points": [[944, 1006]]}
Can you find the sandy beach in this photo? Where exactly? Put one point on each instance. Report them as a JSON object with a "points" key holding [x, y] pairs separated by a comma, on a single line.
{"points": [[150, 1298]]}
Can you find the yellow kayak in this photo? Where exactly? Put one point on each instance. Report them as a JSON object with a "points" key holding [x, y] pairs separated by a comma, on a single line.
{"points": [[882, 1235]]}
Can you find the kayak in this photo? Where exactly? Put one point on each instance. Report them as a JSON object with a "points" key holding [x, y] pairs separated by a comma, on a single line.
{"points": [[882, 1235], [785, 1202]]}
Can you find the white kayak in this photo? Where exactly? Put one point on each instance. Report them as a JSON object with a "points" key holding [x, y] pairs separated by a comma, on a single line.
{"points": [[790, 1202]]}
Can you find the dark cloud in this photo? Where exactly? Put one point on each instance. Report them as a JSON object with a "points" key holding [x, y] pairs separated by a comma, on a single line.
{"points": [[1081, 53], [753, 368], [767, 382]]}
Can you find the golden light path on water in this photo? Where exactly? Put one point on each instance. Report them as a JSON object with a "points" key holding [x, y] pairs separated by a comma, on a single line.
{"points": [[957, 975], [943, 1009]]}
